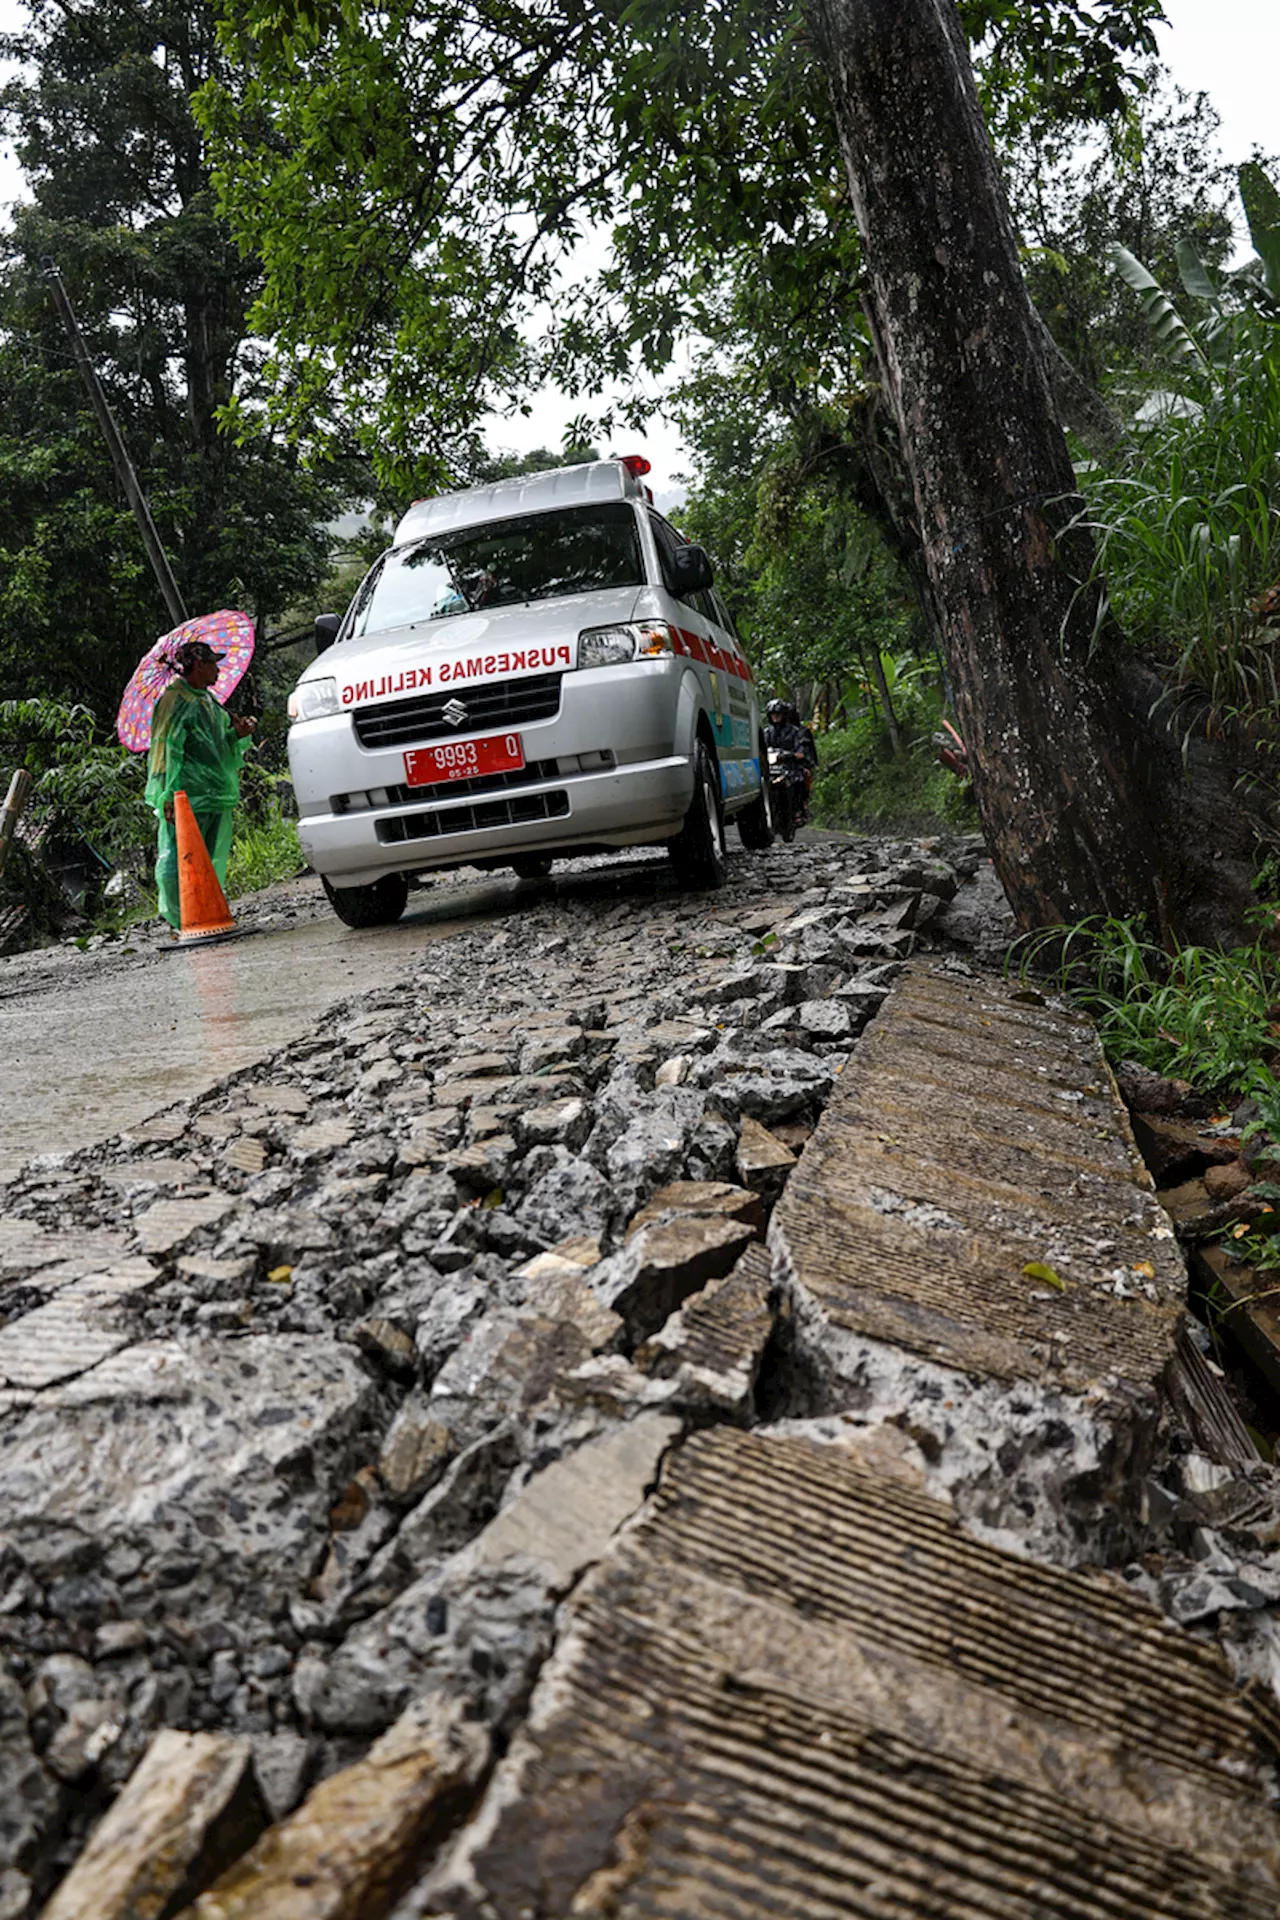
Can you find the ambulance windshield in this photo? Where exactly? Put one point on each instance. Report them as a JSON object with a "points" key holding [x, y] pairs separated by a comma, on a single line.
{"points": [[504, 563]]}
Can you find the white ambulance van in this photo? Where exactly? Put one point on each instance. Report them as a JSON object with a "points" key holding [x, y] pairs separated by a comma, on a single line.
{"points": [[535, 669]]}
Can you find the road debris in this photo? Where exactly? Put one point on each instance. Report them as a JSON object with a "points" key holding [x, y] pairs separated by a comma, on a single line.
{"points": [[456, 1280]]}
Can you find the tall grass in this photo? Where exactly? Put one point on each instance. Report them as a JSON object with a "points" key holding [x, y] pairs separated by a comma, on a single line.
{"points": [[264, 850], [1188, 531], [1199, 1014]]}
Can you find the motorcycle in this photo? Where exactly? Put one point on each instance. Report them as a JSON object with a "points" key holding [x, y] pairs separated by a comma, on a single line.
{"points": [[786, 792]]}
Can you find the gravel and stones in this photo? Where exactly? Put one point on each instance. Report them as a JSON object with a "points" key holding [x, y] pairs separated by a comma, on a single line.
{"points": [[341, 1315]]}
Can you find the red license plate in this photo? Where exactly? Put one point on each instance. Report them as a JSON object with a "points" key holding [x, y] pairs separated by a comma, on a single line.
{"points": [[462, 759]]}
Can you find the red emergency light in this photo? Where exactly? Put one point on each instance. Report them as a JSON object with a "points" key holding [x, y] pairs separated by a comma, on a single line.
{"points": [[636, 464]]}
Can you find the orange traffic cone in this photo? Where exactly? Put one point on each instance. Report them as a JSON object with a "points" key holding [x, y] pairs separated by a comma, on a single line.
{"points": [[202, 904]]}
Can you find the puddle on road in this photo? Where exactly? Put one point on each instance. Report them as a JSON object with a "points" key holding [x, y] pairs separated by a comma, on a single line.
{"points": [[86, 1055], [89, 1057]]}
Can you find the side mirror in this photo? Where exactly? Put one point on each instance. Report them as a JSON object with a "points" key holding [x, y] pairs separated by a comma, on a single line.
{"points": [[690, 570], [327, 625]]}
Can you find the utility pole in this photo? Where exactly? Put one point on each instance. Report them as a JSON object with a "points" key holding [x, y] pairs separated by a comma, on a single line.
{"points": [[115, 445]]}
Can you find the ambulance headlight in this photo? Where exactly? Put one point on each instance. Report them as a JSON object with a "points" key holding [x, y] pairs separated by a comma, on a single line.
{"points": [[606, 646], [314, 699], [632, 640]]}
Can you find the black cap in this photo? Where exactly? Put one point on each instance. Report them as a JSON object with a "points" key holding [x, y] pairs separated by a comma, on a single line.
{"points": [[191, 653]]}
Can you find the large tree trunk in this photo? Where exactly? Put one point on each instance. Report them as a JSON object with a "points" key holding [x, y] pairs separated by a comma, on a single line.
{"points": [[1082, 795], [1080, 406]]}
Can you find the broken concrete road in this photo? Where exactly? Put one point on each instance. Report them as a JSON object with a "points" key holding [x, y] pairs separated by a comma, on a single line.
{"points": [[423, 1310], [814, 1678], [973, 1196], [800, 1687], [190, 1802], [972, 1225]]}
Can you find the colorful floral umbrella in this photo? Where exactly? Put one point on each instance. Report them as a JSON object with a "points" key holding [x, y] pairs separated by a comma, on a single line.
{"points": [[230, 634]]}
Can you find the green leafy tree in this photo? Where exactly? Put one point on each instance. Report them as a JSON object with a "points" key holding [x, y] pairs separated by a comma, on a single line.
{"points": [[1151, 178], [817, 594], [418, 173], [100, 117], [455, 153], [454, 192]]}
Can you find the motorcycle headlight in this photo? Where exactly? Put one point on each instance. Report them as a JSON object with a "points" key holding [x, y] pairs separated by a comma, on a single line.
{"points": [[314, 700], [628, 640]]}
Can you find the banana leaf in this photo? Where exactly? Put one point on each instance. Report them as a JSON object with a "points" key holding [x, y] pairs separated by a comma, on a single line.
{"points": [[1195, 276], [1262, 211], [1162, 316]]}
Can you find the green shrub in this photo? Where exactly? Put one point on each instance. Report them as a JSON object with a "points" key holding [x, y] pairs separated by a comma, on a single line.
{"points": [[1198, 1014], [1188, 533], [85, 815], [1186, 518], [264, 850], [863, 785], [86, 788]]}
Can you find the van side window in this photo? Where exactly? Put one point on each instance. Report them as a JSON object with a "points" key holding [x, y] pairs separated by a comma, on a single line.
{"points": [[668, 542], [722, 613]]}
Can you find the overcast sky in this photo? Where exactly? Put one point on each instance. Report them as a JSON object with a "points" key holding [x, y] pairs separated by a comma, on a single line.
{"points": [[1230, 49]]}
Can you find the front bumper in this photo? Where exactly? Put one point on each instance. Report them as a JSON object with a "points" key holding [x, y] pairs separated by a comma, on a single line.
{"points": [[357, 821]]}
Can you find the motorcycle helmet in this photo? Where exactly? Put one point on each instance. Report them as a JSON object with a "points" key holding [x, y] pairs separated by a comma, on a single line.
{"points": [[777, 710]]}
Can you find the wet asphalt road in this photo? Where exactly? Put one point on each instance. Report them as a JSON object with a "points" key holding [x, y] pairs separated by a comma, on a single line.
{"points": [[93, 1042]]}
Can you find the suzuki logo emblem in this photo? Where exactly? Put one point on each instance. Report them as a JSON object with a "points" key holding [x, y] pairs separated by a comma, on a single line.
{"points": [[454, 712]]}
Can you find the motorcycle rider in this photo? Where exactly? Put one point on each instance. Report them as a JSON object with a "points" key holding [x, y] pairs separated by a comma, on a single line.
{"points": [[783, 734], [809, 755]]}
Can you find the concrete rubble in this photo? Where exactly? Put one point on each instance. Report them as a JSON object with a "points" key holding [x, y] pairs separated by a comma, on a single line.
{"points": [[190, 1803], [543, 1433]]}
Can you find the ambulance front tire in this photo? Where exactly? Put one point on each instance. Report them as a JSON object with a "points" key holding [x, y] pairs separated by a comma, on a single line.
{"points": [[378, 905], [698, 850], [532, 866]]}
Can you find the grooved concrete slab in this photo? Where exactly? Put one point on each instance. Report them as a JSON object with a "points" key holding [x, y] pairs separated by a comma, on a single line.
{"points": [[715, 1344], [170, 1222], [976, 1133], [74, 1330], [799, 1688]]}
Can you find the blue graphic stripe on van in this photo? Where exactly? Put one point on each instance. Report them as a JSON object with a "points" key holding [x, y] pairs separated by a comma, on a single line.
{"points": [[738, 776]]}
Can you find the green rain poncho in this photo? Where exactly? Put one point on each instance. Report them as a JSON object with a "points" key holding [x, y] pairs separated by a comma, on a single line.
{"points": [[194, 750]]}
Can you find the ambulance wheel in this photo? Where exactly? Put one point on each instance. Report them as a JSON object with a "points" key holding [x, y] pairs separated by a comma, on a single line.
{"points": [[756, 823], [533, 866], [379, 905], [698, 850]]}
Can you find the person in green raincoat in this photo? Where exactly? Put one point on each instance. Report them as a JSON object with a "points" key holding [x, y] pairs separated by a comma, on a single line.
{"points": [[196, 749]]}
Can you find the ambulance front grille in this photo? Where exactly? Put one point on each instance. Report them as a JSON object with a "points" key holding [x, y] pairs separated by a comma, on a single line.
{"points": [[520, 810], [492, 707]]}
